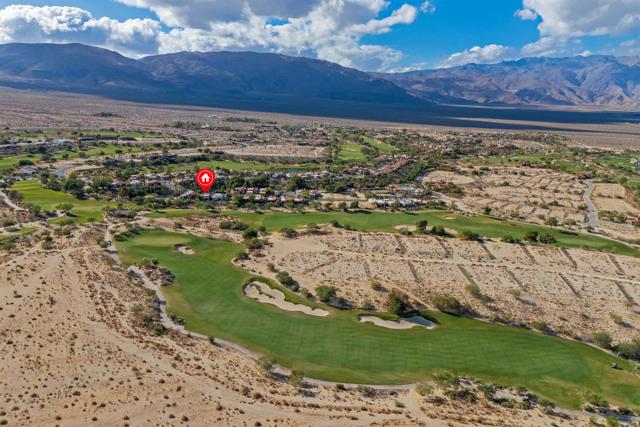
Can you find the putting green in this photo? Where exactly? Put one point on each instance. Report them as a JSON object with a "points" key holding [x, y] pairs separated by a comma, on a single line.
{"points": [[207, 293]]}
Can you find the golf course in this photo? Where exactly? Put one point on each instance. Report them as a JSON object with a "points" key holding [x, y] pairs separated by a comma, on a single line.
{"points": [[376, 221], [207, 293]]}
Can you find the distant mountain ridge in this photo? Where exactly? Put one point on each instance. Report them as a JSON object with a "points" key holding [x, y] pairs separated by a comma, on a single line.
{"points": [[591, 80], [214, 79], [273, 82]]}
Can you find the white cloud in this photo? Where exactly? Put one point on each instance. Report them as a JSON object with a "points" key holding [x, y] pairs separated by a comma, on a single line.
{"points": [[576, 18], [545, 46], [564, 22], [328, 29], [331, 30], [428, 7], [489, 54], [527, 14], [61, 24]]}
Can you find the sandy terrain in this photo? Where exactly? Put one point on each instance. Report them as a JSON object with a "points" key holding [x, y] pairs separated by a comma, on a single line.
{"points": [[525, 193], [276, 150], [267, 295], [447, 176], [186, 250], [575, 291], [406, 323], [611, 197]]}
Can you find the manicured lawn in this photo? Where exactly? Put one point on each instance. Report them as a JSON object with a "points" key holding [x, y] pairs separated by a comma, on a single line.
{"points": [[385, 221], [350, 152], [86, 210], [382, 146], [208, 294], [10, 162]]}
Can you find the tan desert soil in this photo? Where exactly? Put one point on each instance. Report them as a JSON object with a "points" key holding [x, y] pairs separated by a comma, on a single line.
{"points": [[447, 176], [526, 192], [575, 291]]}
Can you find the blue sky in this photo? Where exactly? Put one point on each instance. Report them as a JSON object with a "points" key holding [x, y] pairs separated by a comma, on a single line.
{"points": [[367, 34]]}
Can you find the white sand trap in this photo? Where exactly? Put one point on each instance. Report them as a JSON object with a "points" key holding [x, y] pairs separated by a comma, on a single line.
{"points": [[185, 249], [407, 323], [266, 294], [400, 227]]}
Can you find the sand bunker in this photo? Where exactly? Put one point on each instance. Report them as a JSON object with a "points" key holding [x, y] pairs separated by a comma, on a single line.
{"points": [[406, 323], [186, 250], [265, 294]]}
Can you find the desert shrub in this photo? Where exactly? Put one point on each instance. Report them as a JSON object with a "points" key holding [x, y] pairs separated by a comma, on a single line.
{"points": [[421, 226], [630, 350], [366, 391], [249, 233], [602, 339], [532, 236], [593, 398], [510, 239], [541, 326], [325, 293], [547, 239], [448, 304], [613, 422], [376, 286], [397, 302], [617, 319], [424, 389], [288, 232], [286, 280], [471, 236], [254, 244], [515, 293], [296, 379], [474, 290], [439, 230], [446, 379], [266, 363]]}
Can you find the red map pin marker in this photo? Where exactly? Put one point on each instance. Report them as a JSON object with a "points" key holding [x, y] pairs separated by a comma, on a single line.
{"points": [[205, 178]]}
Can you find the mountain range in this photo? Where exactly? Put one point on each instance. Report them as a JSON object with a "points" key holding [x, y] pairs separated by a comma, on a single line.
{"points": [[273, 82], [582, 80]]}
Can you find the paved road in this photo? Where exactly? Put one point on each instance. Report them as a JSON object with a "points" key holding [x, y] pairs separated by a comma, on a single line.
{"points": [[592, 211], [5, 198]]}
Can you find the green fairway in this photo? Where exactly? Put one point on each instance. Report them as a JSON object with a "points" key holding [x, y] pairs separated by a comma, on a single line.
{"points": [[382, 146], [386, 221], [350, 152], [86, 210], [208, 294]]}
